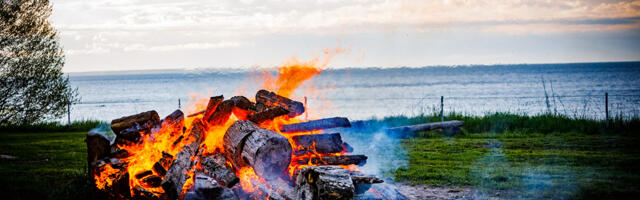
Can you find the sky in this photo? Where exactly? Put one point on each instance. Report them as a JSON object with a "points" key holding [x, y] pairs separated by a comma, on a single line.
{"points": [[112, 35]]}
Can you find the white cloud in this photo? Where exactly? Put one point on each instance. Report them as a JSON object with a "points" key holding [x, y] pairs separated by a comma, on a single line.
{"points": [[183, 47]]}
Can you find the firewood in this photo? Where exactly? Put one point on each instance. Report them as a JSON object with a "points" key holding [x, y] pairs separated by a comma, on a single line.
{"points": [[324, 182], [158, 168], [215, 166], [335, 160], [405, 131], [366, 179], [212, 106], [141, 193], [347, 148], [176, 175], [320, 143], [282, 187], [312, 125], [97, 148], [268, 114], [153, 181], [142, 174], [176, 118], [221, 114], [263, 192], [129, 127], [243, 108], [271, 99], [268, 152]]}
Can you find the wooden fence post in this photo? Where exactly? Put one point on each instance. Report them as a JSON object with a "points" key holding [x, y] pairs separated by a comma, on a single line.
{"points": [[442, 108], [606, 108]]}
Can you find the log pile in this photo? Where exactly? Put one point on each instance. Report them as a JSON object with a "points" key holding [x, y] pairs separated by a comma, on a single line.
{"points": [[192, 173]]}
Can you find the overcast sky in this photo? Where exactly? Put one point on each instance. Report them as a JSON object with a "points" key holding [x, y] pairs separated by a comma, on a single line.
{"points": [[107, 35]]}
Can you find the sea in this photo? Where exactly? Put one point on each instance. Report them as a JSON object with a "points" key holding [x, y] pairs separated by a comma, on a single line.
{"points": [[571, 89]]}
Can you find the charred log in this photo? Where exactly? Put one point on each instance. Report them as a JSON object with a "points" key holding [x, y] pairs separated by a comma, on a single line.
{"points": [[268, 114], [316, 125], [130, 127], [324, 182], [177, 174], [335, 160], [97, 148], [271, 99], [216, 167], [268, 152], [284, 188], [141, 193], [143, 174], [175, 119], [221, 114], [212, 106], [320, 143], [405, 131], [366, 180], [153, 181]]}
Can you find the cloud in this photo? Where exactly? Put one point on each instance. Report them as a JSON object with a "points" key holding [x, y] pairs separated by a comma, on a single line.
{"points": [[183, 47]]}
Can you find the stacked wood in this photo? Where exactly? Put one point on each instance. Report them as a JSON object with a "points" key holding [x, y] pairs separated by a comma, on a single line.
{"points": [[268, 152], [318, 143], [215, 166], [335, 160], [405, 131], [177, 174], [324, 182], [271, 99], [316, 125], [131, 127], [268, 114]]}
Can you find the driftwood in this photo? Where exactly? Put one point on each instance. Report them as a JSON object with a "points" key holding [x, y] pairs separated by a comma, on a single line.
{"points": [[335, 160], [268, 152], [320, 143], [324, 182], [316, 125], [177, 173], [271, 99], [215, 166], [211, 106], [409, 130], [129, 127], [268, 114]]}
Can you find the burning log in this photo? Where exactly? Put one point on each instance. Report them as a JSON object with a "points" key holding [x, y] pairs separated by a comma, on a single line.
{"points": [[271, 99], [316, 125], [268, 114], [143, 174], [324, 182], [153, 181], [324, 143], [221, 114], [129, 127], [141, 193], [335, 160], [216, 167], [176, 118], [409, 130], [161, 166], [268, 152], [97, 148], [282, 187], [212, 106], [243, 108], [366, 180], [176, 175], [205, 187]]}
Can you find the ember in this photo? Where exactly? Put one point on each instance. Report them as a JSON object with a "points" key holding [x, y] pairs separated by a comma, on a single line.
{"points": [[261, 145]]}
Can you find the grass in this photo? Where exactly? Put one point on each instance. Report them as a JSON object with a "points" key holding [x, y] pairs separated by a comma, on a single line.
{"points": [[50, 165], [83, 125], [527, 165]]}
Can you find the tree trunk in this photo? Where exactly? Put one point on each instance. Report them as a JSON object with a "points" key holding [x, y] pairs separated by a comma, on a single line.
{"points": [[324, 182], [335, 160], [268, 152], [271, 99], [316, 125], [320, 143]]}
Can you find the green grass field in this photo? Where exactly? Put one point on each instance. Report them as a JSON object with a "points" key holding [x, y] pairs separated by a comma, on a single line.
{"points": [[558, 166], [48, 165]]}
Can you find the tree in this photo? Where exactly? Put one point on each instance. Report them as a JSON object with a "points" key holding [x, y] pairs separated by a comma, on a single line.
{"points": [[32, 85]]}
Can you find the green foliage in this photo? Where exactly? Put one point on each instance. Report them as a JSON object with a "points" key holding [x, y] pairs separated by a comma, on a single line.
{"points": [[32, 84], [85, 125]]}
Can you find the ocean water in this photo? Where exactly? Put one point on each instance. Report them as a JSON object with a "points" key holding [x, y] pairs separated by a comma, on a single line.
{"points": [[576, 90]]}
